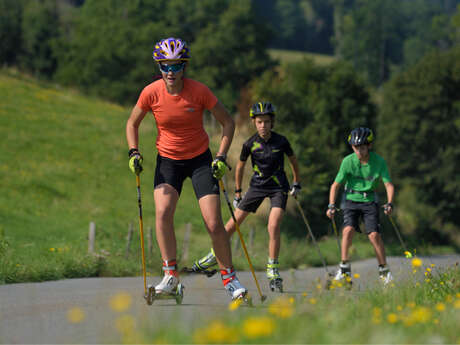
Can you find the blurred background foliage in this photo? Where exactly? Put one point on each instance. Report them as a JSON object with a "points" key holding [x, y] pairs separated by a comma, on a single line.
{"points": [[393, 65]]}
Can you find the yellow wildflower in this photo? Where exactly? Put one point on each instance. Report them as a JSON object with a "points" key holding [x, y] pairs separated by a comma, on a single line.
{"points": [[356, 275], [457, 304], [416, 262], [440, 307], [436, 321], [75, 315], [281, 308], [233, 305], [312, 300], [449, 298], [217, 332], [421, 315], [392, 318], [305, 294], [457, 295], [399, 308], [125, 324], [120, 301], [255, 327], [52, 249]]}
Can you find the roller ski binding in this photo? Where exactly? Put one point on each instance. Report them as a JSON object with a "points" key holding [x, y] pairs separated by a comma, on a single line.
{"points": [[343, 276], [169, 288], [273, 275], [203, 265]]}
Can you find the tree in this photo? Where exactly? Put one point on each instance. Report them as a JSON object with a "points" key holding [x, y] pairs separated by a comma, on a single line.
{"points": [[372, 37], [39, 27], [420, 122], [110, 53], [230, 52], [10, 31]]}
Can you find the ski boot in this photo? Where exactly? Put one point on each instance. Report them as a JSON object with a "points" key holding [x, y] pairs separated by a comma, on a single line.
{"points": [[343, 275], [169, 288], [273, 275], [203, 265], [385, 275], [234, 287]]}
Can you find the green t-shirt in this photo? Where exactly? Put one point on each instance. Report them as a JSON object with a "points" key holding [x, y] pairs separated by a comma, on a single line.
{"points": [[362, 177]]}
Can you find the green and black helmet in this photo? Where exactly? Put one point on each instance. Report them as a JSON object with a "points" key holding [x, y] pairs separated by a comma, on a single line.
{"points": [[361, 136], [262, 108]]}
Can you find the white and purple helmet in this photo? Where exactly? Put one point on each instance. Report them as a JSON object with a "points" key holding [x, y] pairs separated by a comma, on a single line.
{"points": [[171, 49]]}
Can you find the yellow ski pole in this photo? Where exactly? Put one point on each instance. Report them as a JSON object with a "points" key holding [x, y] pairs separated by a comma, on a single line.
{"points": [[221, 184], [141, 231]]}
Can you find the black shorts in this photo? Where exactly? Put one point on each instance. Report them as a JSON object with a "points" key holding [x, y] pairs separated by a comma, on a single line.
{"points": [[354, 211], [174, 172], [254, 197]]}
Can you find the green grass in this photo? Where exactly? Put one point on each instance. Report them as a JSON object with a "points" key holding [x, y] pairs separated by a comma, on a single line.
{"points": [[417, 311], [289, 56], [64, 164]]}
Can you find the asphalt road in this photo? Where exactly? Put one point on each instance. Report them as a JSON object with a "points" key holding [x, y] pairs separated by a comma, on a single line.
{"points": [[38, 312]]}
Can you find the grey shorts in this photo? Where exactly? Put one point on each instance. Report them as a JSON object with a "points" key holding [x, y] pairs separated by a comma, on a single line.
{"points": [[368, 212]]}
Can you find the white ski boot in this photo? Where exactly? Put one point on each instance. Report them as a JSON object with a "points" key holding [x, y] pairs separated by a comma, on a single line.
{"points": [[343, 274], [167, 285], [233, 286], [385, 275]]}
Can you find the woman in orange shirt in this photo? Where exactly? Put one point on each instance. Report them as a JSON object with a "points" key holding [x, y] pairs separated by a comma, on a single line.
{"points": [[177, 103]]}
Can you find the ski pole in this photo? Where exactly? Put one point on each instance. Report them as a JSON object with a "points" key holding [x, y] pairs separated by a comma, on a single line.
{"points": [[312, 236], [398, 233], [141, 231], [221, 184]]}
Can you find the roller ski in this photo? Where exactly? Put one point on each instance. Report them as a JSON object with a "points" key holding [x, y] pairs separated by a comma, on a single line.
{"points": [[203, 265], [234, 288], [343, 276], [169, 288], [273, 275]]}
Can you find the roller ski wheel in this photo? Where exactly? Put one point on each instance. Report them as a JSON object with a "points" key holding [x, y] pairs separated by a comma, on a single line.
{"points": [[208, 273], [177, 294], [276, 284]]}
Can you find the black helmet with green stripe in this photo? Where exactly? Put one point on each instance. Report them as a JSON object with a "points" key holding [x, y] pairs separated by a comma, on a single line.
{"points": [[262, 108], [361, 136]]}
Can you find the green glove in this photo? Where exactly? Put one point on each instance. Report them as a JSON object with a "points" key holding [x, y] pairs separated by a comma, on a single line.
{"points": [[135, 161], [219, 167]]}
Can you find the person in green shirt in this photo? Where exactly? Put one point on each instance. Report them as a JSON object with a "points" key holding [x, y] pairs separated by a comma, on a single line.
{"points": [[361, 172]]}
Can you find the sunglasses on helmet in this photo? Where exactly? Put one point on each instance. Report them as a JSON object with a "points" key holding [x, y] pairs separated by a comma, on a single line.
{"points": [[173, 68]]}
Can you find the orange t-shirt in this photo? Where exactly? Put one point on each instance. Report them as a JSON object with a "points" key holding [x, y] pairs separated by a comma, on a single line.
{"points": [[179, 118]]}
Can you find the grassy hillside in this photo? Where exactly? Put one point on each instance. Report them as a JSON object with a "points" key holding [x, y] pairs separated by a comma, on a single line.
{"points": [[65, 164]]}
